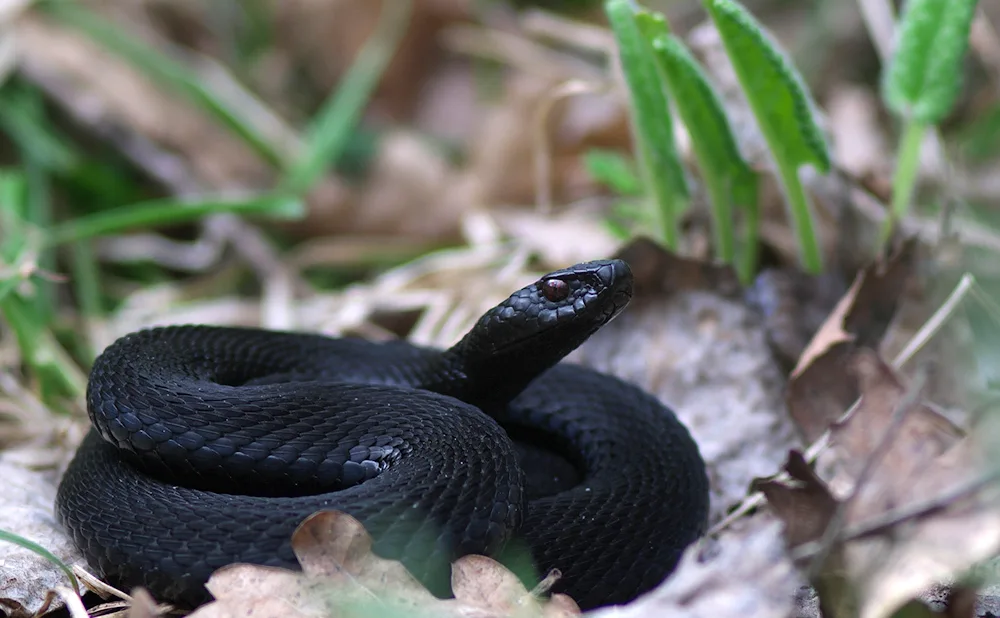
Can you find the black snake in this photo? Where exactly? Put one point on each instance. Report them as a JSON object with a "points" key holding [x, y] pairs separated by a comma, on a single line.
{"points": [[210, 445]]}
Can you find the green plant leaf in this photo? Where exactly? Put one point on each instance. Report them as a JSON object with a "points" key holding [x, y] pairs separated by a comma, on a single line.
{"points": [[13, 209], [924, 75], [613, 170], [783, 110], [32, 134], [169, 212], [652, 125], [772, 85], [725, 173]]}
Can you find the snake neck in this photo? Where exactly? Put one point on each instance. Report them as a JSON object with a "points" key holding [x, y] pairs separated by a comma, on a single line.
{"points": [[486, 380]]}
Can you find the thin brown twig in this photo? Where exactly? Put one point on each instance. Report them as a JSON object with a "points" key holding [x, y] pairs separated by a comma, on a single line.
{"points": [[836, 523], [929, 329], [543, 150], [890, 519]]}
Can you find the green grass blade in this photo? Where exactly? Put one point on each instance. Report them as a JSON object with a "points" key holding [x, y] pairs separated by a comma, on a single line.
{"points": [[652, 125], [783, 109], [20, 541], [86, 279], [613, 170], [165, 70], [13, 210], [924, 75], [31, 134], [330, 130], [58, 374], [169, 212], [40, 214], [700, 108], [8, 285], [744, 191]]}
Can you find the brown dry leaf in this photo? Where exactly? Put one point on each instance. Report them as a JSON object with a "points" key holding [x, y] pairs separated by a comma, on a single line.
{"points": [[909, 487], [819, 391], [806, 507], [26, 509], [658, 271], [405, 193], [486, 588], [342, 577], [336, 547], [795, 305]]}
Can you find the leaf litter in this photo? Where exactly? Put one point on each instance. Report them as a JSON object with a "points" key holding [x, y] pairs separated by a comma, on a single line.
{"points": [[906, 489], [342, 577]]}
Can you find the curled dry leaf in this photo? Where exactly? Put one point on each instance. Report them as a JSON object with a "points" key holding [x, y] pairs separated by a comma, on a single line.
{"points": [[342, 577], [918, 504], [819, 390]]}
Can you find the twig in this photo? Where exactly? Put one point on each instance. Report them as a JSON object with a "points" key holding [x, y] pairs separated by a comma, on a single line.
{"points": [[936, 321], [890, 519], [518, 52], [581, 35], [928, 330], [984, 40], [836, 523], [878, 17], [543, 152]]}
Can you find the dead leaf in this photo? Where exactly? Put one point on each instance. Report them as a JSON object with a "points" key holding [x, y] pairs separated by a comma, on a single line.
{"points": [[342, 577], [143, 605], [806, 507], [918, 439], [794, 305], [26, 509], [819, 391], [906, 490], [660, 272], [335, 546]]}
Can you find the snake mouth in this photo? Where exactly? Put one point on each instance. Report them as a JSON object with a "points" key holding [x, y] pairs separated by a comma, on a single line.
{"points": [[618, 303]]}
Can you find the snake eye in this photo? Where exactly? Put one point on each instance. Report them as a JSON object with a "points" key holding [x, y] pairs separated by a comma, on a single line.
{"points": [[555, 290]]}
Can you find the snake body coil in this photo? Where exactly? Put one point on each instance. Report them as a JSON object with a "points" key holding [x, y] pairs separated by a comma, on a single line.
{"points": [[210, 445]]}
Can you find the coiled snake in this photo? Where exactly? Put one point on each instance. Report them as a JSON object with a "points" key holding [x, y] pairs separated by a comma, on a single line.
{"points": [[210, 445]]}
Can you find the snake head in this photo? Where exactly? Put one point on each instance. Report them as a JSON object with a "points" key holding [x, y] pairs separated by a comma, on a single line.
{"points": [[559, 311], [539, 324]]}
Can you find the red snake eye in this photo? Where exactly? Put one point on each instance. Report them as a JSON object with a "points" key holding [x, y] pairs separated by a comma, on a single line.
{"points": [[555, 290]]}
